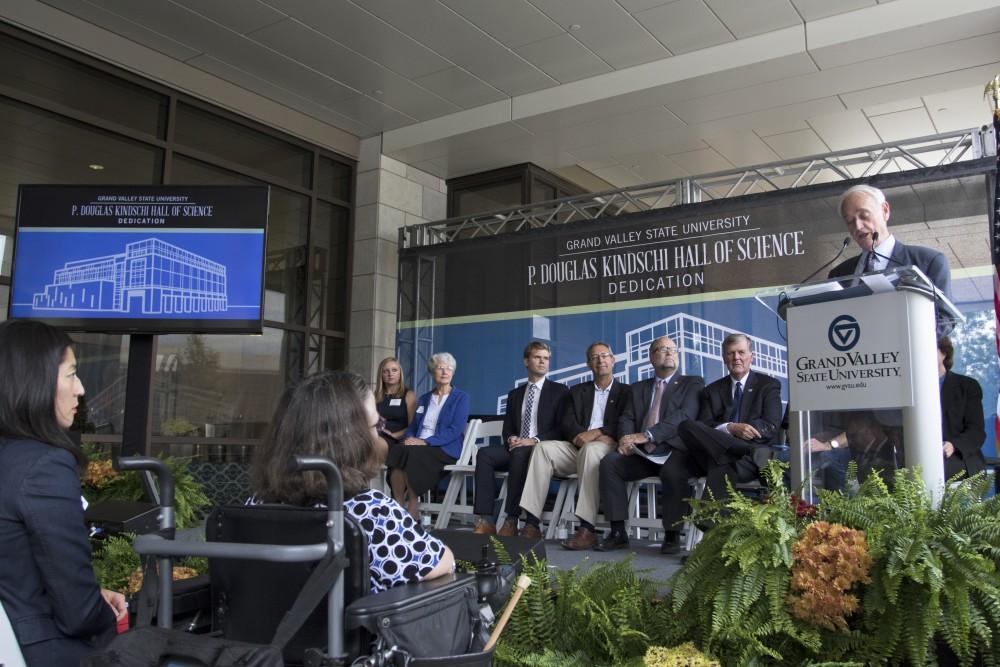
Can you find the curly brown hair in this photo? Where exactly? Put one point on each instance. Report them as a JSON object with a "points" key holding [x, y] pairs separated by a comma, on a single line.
{"points": [[320, 415]]}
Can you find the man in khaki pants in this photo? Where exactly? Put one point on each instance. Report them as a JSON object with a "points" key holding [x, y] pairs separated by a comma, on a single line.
{"points": [[590, 425]]}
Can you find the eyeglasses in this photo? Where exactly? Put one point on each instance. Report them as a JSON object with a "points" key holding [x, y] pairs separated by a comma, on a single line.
{"points": [[442, 368], [602, 355], [665, 350]]}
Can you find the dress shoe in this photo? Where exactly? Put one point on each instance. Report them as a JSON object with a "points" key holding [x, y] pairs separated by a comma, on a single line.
{"points": [[581, 540], [484, 528], [670, 548], [508, 529], [530, 532], [612, 542]]}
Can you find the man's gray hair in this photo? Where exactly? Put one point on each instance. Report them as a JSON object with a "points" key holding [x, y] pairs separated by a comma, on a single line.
{"points": [[442, 359], [734, 338], [869, 190]]}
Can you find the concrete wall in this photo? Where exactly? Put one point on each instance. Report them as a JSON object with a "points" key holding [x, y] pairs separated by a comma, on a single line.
{"points": [[389, 194]]}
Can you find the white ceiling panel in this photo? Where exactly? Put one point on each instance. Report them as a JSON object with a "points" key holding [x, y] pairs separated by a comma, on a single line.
{"points": [[892, 107], [606, 29], [903, 124], [252, 14], [122, 26], [371, 111], [634, 6], [348, 24], [619, 176], [701, 162], [791, 145], [331, 59], [811, 10], [652, 167], [957, 109], [652, 121], [272, 91], [460, 87], [431, 23], [767, 127], [684, 25], [563, 58], [842, 129], [744, 18], [511, 22], [742, 147], [929, 85], [789, 113]]}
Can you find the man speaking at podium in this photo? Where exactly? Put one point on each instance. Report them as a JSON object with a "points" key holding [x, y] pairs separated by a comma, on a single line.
{"points": [[866, 214]]}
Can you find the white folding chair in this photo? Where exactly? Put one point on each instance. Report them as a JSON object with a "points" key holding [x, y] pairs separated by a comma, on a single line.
{"points": [[10, 650], [458, 497], [643, 518]]}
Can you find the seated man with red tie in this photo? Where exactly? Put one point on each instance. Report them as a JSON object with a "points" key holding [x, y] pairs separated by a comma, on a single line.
{"points": [[737, 421]]}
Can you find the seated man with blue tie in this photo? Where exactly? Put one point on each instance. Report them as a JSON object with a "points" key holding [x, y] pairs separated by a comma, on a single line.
{"points": [[534, 413], [648, 430], [737, 422]]}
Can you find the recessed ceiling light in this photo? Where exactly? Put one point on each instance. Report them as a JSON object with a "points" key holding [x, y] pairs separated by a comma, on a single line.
{"points": [[942, 109], [575, 26], [377, 91], [96, 167]]}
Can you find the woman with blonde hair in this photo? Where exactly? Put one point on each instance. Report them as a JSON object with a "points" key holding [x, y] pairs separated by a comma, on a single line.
{"points": [[396, 403]]}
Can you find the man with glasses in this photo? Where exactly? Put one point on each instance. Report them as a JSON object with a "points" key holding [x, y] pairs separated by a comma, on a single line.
{"points": [[590, 426], [739, 418], [647, 432], [533, 413]]}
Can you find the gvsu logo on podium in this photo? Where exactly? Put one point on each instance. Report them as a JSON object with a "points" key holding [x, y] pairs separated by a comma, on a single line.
{"points": [[844, 333]]}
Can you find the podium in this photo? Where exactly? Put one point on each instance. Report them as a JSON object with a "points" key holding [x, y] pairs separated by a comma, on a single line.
{"points": [[862, 365]]}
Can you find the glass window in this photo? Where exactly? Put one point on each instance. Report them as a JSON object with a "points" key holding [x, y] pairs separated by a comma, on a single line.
{"points": [[541, 191], [223, 386], [326, 353], [237, 143], [188, 171], [329, 267], [490, 197], [63, 81], [102, 361], [4, 300], [334, 179]]}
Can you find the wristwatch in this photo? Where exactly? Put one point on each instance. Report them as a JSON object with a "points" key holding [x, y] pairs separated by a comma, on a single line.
{"points": [[834, 444]]}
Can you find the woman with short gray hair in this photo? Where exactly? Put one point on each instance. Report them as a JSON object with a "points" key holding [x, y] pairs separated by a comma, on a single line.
{"points": [[434, 438]]}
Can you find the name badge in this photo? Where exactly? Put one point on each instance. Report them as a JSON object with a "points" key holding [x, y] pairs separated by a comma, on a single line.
{"points": [[395, 401], [420, 409]]}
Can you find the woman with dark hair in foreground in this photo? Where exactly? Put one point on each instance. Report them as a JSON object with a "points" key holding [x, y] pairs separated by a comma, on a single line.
{"points": [[47, 584], [333, 415]]}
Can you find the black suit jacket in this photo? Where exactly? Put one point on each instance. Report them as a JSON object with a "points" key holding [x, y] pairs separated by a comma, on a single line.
{"points": [[962, 423], [761, 406], [47, 583], [933, 263], [679, 403], [550, 409], [576, 416]]}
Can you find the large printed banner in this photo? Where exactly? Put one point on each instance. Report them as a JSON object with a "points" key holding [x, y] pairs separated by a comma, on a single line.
{"points": [[691, 272]]}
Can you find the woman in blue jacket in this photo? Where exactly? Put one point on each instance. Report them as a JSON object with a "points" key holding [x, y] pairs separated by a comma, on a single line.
{"points": [[47, 584], [434, 438]]}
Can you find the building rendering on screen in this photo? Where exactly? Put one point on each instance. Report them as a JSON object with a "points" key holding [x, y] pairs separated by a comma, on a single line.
{"points": [[151, 277]]}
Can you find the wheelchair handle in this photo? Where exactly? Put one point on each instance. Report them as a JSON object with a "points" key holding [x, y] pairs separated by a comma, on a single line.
{"points": [[334, 482], [157, 467]]}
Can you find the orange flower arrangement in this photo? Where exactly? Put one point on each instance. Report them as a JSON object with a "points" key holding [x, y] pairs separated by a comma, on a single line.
{"points": [[829, 560], [99, 473]]}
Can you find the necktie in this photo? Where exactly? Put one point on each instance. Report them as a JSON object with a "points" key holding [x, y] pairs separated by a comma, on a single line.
{"points": [[653, 416], [870, 262], [529, 403], [734, 414]]}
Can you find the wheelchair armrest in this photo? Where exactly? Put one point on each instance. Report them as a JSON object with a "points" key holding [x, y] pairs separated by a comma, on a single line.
{"points": [[364, 610]]}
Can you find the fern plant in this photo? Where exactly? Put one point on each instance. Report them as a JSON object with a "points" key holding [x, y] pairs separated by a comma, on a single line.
{"points": [[936, 574], [730, 596]]}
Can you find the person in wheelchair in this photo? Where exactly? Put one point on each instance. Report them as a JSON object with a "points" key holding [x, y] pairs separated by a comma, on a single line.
{"points": [[333, 414]]}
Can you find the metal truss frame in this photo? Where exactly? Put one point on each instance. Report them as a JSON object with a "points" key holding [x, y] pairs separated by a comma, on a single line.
{"points": [[919, 153]]}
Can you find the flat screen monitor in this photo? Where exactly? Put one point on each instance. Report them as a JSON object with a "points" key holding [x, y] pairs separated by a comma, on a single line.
{"points": [[140, 259]]}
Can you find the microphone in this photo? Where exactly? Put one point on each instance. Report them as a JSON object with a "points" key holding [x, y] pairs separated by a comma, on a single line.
{"points": [[880, 255], [843, 247]]}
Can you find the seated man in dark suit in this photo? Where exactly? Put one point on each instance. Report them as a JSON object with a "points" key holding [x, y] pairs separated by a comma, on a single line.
{"points": [[533, 416], [963, 426], [590, 426], [648, 427], [866, 214], [737, 421]]}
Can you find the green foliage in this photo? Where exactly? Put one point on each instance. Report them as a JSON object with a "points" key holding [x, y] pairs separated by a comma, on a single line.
{"points": [[729, 597], [601, 616], [115, 561], [935, 577], [189, 498]]}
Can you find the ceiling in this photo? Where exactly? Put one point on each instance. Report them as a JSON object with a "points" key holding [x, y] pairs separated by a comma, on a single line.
{"points": [[629, 91]]}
